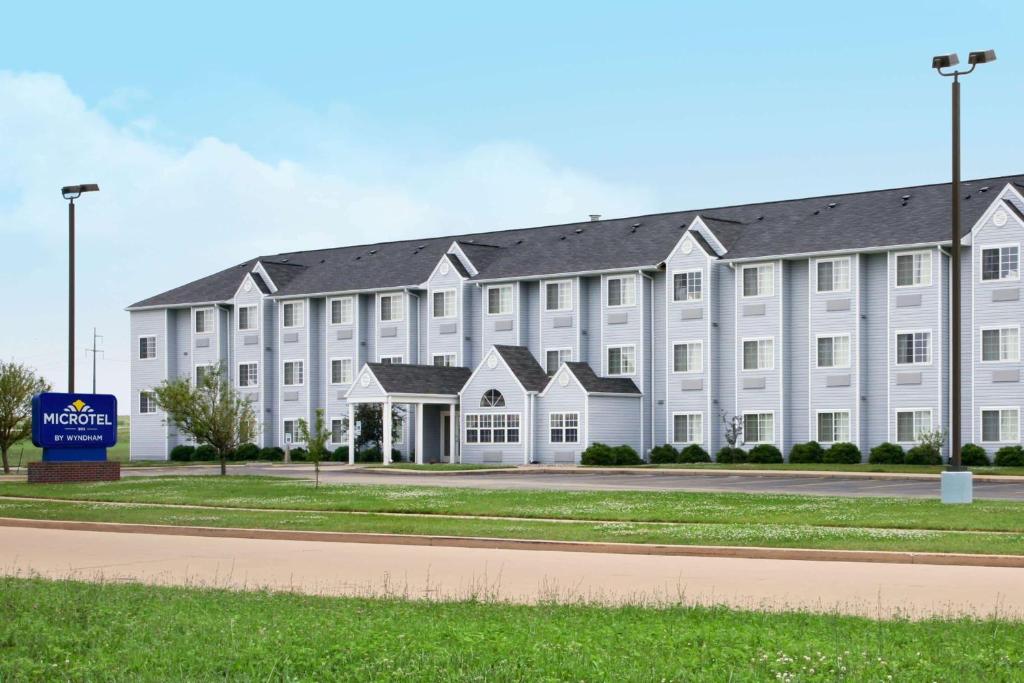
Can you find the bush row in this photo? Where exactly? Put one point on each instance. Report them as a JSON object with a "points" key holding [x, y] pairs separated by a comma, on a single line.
{"points": [[603, 454], [250, 451]]}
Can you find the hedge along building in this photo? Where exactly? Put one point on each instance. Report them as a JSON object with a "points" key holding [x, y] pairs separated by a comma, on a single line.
{"points": [[823, 319]]}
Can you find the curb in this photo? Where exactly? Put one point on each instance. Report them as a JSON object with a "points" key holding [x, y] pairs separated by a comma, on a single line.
{"points": [[737, 552]]}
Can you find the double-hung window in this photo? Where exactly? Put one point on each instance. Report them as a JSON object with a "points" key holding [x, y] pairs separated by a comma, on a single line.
{"points": [[621, 290], [338, 432], [147, 403], [444, 360], [341, 371], [758, 427], [688, 286], [688, 357], [204, 320], [834, 426], [687, 428], [914, 269], [553, 359], [913, 348], [834, 275], [758, 354], [147, 347], [291, 431], [558, 295], [444, 303], [247, 318], [487, 428], [202, 371], [1000, 425], [911, 424], [1000, 263], [565, 427], [293, 373], [1000, 344], [759, 280], [499, 300], [292, 313], [621, 360], [834, 351], [391, 309], [248, 375], [342, 311], [391, 360]]}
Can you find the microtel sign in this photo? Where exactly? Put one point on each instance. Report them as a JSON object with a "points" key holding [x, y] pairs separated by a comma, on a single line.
{"points": [[73, 421]]}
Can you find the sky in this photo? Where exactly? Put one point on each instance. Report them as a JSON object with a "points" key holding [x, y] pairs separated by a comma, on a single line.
{"points": [[218, 133]]}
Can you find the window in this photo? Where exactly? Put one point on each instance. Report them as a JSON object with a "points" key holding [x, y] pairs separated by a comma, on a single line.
{"points": [[834, 351], [341, 371], [1000, 263], [622, 290], [558, 296], [1000, 425], [688, 357], [444, 360], [291, 431], [621, 360], [147, 347], [687, 428], [147, 403], [293, 373], [758, 427], [1001, 344], [565, 427], [553, 359], [499, 300], [759, 280], [204, 320], [688, 286], [911, 424], [758, 354], [834, 427], [248, 375], [291, 313], [444, 303], [247, 318], [391, 360], [914, 270], [492, 398], [338, 432], [913, 348], [492, 428], [834, 275], [202, 371], [342, 311], [391, 308]]}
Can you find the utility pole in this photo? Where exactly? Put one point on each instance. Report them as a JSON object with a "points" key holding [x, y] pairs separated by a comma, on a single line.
{"points": [[94, 351]]}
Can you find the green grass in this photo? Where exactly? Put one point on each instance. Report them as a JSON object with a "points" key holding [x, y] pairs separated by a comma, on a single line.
{"points": [[439, 467], [827, 467], [79, 631]]}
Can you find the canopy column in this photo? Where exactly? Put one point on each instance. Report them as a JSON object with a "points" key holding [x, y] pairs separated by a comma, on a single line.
{"points": [[351, 433], [419, 433], [453, 432], [387, 427]]}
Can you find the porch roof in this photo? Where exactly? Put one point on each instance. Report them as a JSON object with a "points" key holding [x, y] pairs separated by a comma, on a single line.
{"points": [[403, 378]]}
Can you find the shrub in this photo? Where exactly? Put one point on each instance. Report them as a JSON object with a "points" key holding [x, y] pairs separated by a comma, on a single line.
{"points": [[598, 454], [1010, 456], [923, 455], [972, 455], [764, 453], [369, 455], [247, 451], [694, 453], [182, 453], [661, 455], [731, 454], [396, 456], [299, 454], [886, 454], [806, 452], [271, 453], [843, 453], [205, 452], [626, 455], [340, 454]]}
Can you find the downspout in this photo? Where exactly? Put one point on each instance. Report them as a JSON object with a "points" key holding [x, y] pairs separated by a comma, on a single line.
{"points": [[650, 358]]}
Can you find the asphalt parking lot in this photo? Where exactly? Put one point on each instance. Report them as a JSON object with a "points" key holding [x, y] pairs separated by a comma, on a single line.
{"points": [[648, 480]]}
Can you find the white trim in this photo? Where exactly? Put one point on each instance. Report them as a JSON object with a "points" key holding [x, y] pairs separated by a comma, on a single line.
{"points": [[894, 340], [293, 360], [833, 259], [262, 270], [922, 284], [563, 413], [1015, 440], [330, 301], [833, 411], [672, 427], [849, 351], [455, 304], [607, 371], [742, 358], [302, 314], [759, 295], [1000, 246], [701, 228], [896, 422], [890, 278], [467, 263], [672, 357], [999, 328], [238, 374]]}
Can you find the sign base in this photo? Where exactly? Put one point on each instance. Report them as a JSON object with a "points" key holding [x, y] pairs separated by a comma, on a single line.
{"points": [[74, 454], [73, 471], [956, 487]]}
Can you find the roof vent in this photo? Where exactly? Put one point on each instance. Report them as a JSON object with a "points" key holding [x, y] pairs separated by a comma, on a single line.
{"points": [[373, 251], [817, 211], [595, 216], [985, 189], [832, 205], [519, 241], [562, 237], [358, 258], [760, 218], [967, 196], [471, 241], [905, 197], [579, 230], [636, 225], [284, 260], [323, 260]]}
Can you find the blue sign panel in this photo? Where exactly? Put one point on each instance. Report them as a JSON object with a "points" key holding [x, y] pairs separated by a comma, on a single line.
{"points": [[74, 426]]}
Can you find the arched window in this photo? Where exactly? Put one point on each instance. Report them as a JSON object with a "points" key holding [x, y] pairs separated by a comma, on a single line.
{"points": [[492, 399]]}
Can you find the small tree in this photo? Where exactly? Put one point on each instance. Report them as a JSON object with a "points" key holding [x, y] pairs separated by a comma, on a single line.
{"points": [[316, 441], [18, 384], [211, 412], [733, 428], [369, 417]]}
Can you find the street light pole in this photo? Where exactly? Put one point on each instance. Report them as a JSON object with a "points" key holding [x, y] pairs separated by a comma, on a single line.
{"points": [[71, 193]]}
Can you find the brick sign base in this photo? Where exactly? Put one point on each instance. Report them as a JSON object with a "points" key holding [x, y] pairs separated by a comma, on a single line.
{"points": [[51, 472]]}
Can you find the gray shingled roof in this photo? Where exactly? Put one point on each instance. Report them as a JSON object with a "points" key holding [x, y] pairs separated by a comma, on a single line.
{"points": [[604, 385], [400, 378], [855, 221], [457, 264], [524, 366]]}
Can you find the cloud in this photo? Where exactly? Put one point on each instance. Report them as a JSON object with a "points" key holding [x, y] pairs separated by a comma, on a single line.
{"points": [[167, 215]]}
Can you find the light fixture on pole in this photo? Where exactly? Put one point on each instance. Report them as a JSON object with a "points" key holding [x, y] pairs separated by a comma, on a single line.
{"points": [[956, 482], [71, 193]]}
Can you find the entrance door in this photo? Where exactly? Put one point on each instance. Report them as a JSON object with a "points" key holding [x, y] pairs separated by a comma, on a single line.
{"points": [[446, 437]]}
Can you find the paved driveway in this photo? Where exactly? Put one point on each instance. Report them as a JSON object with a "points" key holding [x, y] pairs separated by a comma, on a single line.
{"points": [[596, 481]]}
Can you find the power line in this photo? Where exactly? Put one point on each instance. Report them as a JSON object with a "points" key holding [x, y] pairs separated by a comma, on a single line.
{"points": [[94, 351]]}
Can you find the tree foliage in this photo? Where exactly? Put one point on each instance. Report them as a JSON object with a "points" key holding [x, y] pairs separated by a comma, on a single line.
{"points": [[316, 441], [18, 384], [369, 417]]}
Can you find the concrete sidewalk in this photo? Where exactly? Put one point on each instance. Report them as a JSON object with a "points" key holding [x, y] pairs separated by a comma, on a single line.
{"points": [[872, 590]]}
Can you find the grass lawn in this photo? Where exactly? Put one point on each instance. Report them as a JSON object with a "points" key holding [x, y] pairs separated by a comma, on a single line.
{"points": [[23, 453], [827, 467], [79, 631]]}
